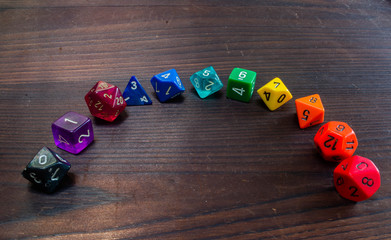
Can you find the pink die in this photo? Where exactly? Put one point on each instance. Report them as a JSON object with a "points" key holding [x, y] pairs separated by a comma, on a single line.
{"points": [[105, 101]]}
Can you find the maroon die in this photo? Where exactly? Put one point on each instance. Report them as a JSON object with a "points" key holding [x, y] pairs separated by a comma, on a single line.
{"points": [[72, 132], [105, 101]]}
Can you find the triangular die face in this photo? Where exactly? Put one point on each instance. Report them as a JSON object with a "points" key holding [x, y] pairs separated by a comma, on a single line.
{"points": [[167, 90], [179, 84], [101, 85], [276, 85], [167, 76], [135, 95], [313, 100], [170, 88], [308, 115]]}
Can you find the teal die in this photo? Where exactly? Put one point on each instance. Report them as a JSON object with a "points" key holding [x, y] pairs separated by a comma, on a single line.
{"points": [[241, 84], [206, 82]]}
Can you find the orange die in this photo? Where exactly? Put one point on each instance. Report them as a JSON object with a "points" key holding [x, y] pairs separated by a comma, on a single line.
{"points": [[336, 141], [309, 110]]}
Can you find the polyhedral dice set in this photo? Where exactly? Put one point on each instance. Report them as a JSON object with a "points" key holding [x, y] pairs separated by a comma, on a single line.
{"points": [[355, 178]]}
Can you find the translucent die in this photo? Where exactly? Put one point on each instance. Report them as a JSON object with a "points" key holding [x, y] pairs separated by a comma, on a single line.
{"points": [[72, 132], [206, 82], [105, 101]]}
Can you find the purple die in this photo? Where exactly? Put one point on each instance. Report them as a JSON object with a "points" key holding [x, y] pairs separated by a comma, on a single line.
{"points": [[73, 132]]}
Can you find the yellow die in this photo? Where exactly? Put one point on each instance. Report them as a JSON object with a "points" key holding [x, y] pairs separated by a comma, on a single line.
{"points": [[274, 94]]}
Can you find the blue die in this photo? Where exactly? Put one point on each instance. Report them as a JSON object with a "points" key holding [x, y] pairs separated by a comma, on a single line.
{"points": [[167, 85], [134, 94], [206, 82]]}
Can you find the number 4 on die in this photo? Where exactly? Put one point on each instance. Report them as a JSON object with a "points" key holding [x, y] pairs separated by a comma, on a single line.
{"points": [[135, 95]]}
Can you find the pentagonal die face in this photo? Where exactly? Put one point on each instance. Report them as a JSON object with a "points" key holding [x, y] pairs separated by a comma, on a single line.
{"points": [[105, 101], [46, 170], [73, 132], [336, 141], [357, 178]]}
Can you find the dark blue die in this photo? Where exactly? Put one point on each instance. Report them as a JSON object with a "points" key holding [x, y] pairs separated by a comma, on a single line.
{"points": [[167, 85], [134, 94]]}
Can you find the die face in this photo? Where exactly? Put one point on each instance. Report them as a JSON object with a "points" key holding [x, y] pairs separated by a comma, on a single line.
{"points": [[336, 141], [274, 94], [167, 85], [206, 82], [46, 170], [101, 86], [241, 84], [73, 132], [135, 95], [365, 174], [309, 111], [105, 101], [356, 178]]}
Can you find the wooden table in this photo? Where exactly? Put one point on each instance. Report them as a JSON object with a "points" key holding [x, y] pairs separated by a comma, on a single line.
{"points": [[194, 168]]}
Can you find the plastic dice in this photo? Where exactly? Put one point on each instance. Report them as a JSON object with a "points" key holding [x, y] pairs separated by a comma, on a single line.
{"points": [[46, 170], [105, 101], [274, 94], [356, 178], [309, 111], [72, 132], [206, 82], [336, 141], [167, 85], [241, 84], [134, 94]]}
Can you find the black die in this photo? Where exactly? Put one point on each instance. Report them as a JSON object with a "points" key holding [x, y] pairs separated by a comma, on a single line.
{"points": [[46, 170]]}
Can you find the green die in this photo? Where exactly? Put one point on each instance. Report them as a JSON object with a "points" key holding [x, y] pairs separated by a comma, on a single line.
{"points": [[241, 84]]}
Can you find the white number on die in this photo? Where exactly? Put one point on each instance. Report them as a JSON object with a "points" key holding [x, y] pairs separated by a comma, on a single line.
{"points": [[134, 85], [84, 135], [242, 75], [239, 91]]}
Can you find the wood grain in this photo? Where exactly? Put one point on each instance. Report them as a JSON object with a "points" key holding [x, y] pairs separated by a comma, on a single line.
{"points": [[193, 168]]}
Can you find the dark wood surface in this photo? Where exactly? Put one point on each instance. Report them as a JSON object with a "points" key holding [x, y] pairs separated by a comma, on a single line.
{"points": [[194, 168]]}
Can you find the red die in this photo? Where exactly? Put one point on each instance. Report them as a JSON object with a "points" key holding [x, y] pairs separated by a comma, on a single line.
{"points": [[105, 101], [356, 178], [336, 141]]}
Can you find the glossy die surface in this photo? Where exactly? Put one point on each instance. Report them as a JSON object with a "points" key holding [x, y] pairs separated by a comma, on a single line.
{"points": [[241, 84], [46, 170], [134, 94], [105, 101], [336, 141], [167, 85], [274, 94], [72, 132], [356, 178], [310, 111], [206, 82]]}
